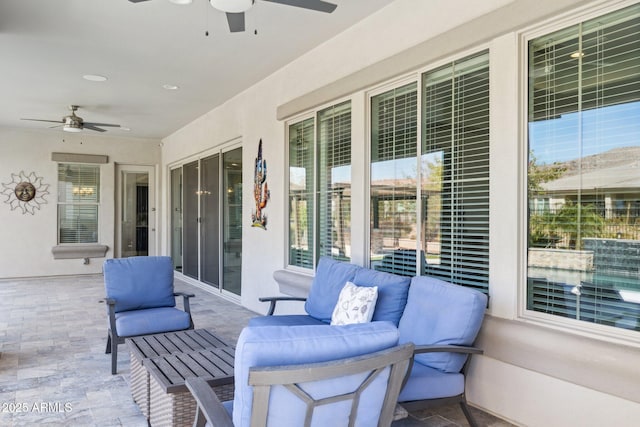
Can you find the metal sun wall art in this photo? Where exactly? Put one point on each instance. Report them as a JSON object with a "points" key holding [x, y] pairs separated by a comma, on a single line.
{"points": [[25, 192], [261, 192]]}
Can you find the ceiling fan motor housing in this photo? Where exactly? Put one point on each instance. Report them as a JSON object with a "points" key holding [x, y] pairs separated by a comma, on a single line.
{"points": [[72, 123]]}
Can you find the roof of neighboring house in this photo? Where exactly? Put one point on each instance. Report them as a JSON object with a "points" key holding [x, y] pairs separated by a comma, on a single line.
{"points": [[625, 177], [617, 169]]}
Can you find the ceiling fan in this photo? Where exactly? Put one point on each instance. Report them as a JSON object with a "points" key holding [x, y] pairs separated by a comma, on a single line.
{"points": [[73, 123], [235, 9]]}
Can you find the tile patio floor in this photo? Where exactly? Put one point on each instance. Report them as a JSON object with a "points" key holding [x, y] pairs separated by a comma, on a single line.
{"points": [[54, 372]]}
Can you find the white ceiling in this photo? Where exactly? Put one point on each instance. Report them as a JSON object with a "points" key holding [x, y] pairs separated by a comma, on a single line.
{"points": [[47, 46]]}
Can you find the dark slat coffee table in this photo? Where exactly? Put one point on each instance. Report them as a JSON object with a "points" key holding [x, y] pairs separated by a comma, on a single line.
{"points": [[157, 346], [171, 403]]}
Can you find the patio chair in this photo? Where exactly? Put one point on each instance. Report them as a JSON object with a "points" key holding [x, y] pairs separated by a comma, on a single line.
{"points": [[443, 320], [287, 376], [141, 300]]}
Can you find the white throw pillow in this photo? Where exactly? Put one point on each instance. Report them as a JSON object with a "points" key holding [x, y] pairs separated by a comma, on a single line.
{"points": [[355, 304]]}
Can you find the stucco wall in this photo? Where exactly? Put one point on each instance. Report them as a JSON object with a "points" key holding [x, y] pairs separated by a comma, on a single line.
{"points": [[25, 239], [539, 383]]}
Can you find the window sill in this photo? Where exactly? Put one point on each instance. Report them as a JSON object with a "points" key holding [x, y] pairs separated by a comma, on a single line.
{"points": [[292, 283], [79, 251]]}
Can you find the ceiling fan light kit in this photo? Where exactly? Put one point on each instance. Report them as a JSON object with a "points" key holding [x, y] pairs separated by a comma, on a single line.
{"points": [[72, 127], [232, 6]]}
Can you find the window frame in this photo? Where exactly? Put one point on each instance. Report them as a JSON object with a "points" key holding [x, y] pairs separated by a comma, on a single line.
{"points": [[315, 116], [97, 203], [416, 77], [524, 37], [288, 124]]}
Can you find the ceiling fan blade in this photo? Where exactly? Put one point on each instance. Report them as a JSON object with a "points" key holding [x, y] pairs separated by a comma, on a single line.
{"points": [[56, 126], [100, 124], [48, 121], [317, 5], [236, 22], [91, 127], [137, 1]]}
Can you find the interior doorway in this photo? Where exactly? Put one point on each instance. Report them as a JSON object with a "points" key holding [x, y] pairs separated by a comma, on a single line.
{"points": [[136, 211]]}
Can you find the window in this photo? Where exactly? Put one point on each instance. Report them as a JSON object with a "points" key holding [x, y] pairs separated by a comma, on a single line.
{"points": [[301, 192], [78, 202], [320, 187], [450, 181], [583, 186], [394, 135], [455, 172]]}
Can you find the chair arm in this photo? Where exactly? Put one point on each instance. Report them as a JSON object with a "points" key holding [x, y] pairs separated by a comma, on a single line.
{"points": [[446, 349], [209, 405], [185, 300], [421, 349], [111, 308], [274, 300]]}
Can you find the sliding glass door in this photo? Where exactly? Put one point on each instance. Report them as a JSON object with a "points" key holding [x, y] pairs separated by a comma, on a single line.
{"points": [[232, 220], [210, 219], [190, 218], [206, 232]]}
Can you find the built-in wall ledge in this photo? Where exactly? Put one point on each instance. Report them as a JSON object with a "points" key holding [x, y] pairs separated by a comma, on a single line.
{"points": [[79, 251], [293, 283], [593, 363], [79, 158]]}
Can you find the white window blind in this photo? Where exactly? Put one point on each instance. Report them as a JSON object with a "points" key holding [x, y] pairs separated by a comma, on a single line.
{"points": [[78, 199], [584, 152], [455, 172], [301, 191], [394, 124], [334, 182]]}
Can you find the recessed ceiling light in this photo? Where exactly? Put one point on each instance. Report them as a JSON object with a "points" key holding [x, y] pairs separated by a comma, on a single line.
{"points": [[94, 78], [126, 129], [170, 87], [181, 1]]}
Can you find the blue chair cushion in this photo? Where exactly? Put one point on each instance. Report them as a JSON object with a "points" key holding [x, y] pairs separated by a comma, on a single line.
{"points": [[392, 293], [290, 345], [285, 320], [330, 278], [139, 282], [430, 383], [151, 321], [440, 313]]}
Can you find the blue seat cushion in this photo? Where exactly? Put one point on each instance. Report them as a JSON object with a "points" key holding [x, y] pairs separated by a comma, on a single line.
{"points": [[440, 313], [330, 278], [139, 282], [285, 320], [392, 292], [430, 383], [151, 321], [290, 345]]}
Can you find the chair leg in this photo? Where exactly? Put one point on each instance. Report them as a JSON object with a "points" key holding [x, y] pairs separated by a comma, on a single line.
{"points": [[467, 413], [108, 349], [114, 357]]}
